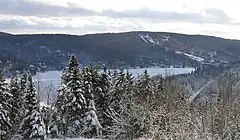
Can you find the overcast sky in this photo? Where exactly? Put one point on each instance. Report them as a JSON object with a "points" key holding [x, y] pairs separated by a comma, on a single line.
{"points": [[211, 17]]}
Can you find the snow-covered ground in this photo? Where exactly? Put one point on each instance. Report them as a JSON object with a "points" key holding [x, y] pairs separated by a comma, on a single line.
{"points": [[160, 41], [148, 39], [193, 57]]}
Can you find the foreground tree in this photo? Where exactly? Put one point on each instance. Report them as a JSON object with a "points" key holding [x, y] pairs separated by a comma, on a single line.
{"points": [[71, 103], [90, 79], [5, 124], [57, 124], [23, 92], [103, 101], [32, 126], [16, 104], [145, 88]]}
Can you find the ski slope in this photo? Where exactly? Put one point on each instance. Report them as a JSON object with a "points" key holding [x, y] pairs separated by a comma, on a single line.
{"points": [[193, 57]]}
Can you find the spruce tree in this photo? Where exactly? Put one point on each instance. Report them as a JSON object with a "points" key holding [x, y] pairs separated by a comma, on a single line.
{"points": [[5, 107], [103, 101], [92, 126], [57, 123], [23, 92], [75, 103], [23, 81], [145, 88], [31, 97], [32, 126], [116, 91], [54, 125], [16, 103]]}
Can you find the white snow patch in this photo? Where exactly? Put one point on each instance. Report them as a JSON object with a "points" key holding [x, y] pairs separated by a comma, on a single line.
{"points": [[165, 38], [42, 104], [177, 52], [142, 37], [148, 39], [193, 57]]}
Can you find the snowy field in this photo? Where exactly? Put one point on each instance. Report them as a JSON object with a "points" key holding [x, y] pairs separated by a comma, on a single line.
{"points": [[47, 82]]}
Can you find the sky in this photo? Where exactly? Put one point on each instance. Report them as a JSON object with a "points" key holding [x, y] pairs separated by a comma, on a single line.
{"points": [[208, 17]]}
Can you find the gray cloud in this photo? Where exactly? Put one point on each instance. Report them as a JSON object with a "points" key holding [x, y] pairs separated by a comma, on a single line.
{"points": [[217, 16], [13, 24], [150, 14], [17, 23], [39, 24], [33, 8], [213, 16]]}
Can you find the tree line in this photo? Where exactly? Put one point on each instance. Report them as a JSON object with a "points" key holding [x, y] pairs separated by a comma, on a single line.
{"points": [[114, 105]]}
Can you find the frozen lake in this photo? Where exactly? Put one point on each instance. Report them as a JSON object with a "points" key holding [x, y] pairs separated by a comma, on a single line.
{"points": [[56, 75], [48, 82]]}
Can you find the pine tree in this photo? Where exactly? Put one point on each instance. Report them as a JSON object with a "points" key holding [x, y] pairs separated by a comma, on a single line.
{"points": [[5, 107], [128, 119], [5, 124], [103, 100], [32, 126], [129, 78], [116, 90], [161, 96], [145, 88], [91, 124], [74, 100], [31, 97], [16, 104], [57, 122], [23, 92], [23, 81], [54, 125]]}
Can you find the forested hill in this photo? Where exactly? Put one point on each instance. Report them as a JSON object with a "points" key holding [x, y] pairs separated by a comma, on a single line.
{"points": [[51, 51]]}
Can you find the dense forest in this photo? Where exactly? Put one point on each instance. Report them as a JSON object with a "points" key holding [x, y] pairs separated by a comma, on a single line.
{"points": [[42, 52], [116, 105]]}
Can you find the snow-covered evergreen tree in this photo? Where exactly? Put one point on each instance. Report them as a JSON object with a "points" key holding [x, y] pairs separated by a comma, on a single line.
{"points": [[60, 102], [103, 101], [5, 107], [23, 82], [128, 120], [16, 104], [32, 126], [145, 87], [116, 90], [31, 97], [57, 124], [74, 102], [5, 124], [129, 78], [92, 126], [23, 92]]}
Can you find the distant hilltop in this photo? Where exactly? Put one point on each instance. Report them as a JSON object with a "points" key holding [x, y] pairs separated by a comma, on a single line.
{"points": [[130, 49]]}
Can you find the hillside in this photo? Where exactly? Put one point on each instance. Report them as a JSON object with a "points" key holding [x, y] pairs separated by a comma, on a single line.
{"points": [[131, 49]]}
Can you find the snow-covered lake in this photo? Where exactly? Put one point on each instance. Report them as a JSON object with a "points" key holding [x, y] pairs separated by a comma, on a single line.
{"points": [[56, 75], [48, 82]]}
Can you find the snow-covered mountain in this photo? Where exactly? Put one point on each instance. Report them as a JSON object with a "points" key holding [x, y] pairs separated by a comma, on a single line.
{"points": [[52, 51]]}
